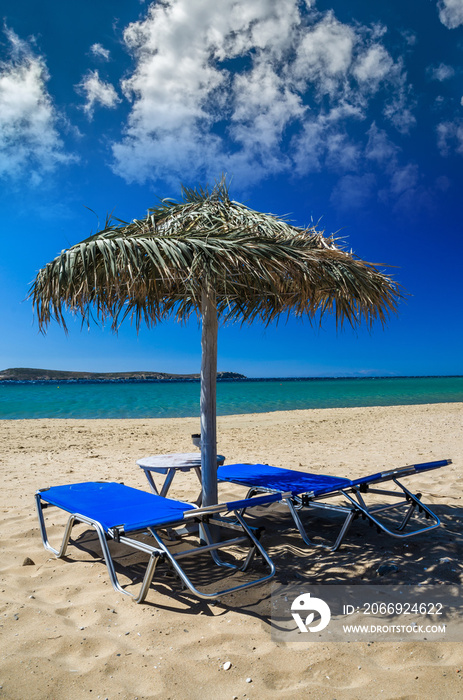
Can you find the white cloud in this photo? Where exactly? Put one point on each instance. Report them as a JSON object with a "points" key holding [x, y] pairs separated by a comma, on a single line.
{"points": [[100, 52], [324, 55], [97, 92], [342, 154], [380, 149], [181, 90], [373, 65], [29, 140], [263, 107], [403, 179], [451, 13], [323, 143], [398, 108], [450, 134], [400, 182], [252, 88], [309, 146], [409, 36], [441, 72], [353, 191]]}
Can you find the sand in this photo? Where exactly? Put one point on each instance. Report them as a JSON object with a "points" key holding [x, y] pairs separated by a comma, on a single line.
{"points": [[65, 633]]}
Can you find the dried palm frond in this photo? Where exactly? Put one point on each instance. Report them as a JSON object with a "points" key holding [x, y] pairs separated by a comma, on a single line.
{"points": [[258, 265]]}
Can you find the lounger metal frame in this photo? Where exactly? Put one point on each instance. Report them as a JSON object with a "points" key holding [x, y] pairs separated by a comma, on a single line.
{"points": [[203, 517], [356, 506]]}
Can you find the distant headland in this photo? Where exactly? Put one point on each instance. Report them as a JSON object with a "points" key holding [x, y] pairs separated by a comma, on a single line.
{"points": [[29, 374]]}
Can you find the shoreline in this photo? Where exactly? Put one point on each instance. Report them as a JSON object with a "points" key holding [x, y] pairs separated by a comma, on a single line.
{"points": [[67, 633], [221, 416]]}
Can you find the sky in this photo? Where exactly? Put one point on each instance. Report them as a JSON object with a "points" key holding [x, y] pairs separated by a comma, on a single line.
{"points": [[344, 114]]}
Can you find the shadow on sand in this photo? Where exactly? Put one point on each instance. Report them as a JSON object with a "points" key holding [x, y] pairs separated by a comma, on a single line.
{"points": [[430, 558]]}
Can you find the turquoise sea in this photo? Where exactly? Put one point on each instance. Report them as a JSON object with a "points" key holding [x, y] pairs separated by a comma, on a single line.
{"points": [[177, 399]]}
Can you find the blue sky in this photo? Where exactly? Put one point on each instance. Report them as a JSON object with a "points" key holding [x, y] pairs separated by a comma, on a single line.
{"points": [[347, 113]]}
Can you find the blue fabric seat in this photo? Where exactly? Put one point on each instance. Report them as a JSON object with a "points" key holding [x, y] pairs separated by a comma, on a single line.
{"points": [[114, 505], [133, 518], [277, 479], [315, 491]]}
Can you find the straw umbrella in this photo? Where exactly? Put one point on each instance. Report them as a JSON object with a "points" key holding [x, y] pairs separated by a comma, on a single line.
{"points": [[216, 258]]}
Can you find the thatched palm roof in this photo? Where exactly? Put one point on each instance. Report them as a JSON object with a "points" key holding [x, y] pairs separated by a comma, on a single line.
{"points": [[259, 267]]}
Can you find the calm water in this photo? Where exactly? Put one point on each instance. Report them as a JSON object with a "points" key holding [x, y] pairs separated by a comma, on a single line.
{"points": [[166, 400]]}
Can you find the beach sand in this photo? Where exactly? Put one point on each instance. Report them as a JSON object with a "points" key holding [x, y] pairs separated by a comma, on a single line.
{"points": [[65, 633]]}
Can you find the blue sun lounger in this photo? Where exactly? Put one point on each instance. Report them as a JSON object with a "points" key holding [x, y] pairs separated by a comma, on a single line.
{"points": [[316, 490], [123, 514]]}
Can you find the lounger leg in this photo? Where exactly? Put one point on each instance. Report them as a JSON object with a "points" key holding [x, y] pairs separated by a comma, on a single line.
{"points": [[149, 573], [110, 564], [255, 545], [43, 531], [104, 546], [106, 553], [298, 522], [369, 513], [207, 536], [256, 548], [347, 523], [216, 557], [250, 555], [415, 499], [407, 517]]}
